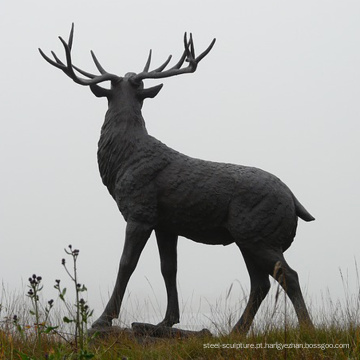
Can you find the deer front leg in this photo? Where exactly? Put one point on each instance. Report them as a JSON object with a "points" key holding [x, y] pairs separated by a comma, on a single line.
{"points": [[136, 237], [260, 285], [167, 244]]}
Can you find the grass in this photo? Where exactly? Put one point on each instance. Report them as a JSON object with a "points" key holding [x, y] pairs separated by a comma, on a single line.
{"points": [[31, 330], [261, 345]]}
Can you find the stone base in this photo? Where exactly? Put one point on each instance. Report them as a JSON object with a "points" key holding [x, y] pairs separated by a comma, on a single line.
{"points": [[158, 331], [107, 331], [143, 330]]}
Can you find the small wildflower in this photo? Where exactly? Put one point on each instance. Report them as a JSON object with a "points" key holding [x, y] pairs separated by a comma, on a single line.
{"points": [[63, 261]]}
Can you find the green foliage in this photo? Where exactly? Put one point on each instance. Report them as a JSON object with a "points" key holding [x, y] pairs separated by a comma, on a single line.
{"points": [[42, 338], [82, 311]]}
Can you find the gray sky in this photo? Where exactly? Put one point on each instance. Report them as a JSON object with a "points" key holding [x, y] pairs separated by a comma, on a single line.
{"points": [[279, 91]]}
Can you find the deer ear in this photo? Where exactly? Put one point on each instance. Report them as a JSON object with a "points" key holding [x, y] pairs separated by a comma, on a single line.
{"points": [[149, 93], [98, 91]]}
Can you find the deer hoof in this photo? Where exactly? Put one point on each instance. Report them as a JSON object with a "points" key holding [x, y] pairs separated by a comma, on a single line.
{"points": [[168, 322], [102, 323]]}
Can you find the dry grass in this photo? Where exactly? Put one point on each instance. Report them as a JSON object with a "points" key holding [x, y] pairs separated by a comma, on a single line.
{"points": [[254, 346], [337, 336], [274, 335]]}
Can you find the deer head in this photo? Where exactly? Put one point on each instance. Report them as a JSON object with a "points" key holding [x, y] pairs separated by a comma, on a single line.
{"points": [[130, 87]]}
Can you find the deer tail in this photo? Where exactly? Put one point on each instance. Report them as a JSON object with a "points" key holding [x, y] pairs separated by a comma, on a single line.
{"points": [[301, 212]]}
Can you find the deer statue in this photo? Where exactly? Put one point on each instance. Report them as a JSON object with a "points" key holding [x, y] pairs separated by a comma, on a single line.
{"points": [[159, 189]]}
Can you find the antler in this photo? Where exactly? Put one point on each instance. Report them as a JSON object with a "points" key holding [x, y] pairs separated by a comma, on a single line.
{"points": [[68, 69], [189, 55]]}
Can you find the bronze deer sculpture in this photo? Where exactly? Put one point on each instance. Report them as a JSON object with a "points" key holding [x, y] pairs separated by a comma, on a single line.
{"points": [[159, 189]]}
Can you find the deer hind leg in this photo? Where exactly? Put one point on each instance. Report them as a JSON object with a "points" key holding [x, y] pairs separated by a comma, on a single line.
{"points": [[136, 237], [289, 280], [260, 285], [167, 244], [272, 261]]}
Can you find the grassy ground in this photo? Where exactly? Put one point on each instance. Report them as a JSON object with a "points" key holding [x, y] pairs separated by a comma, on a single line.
{"points": [[31, 328], [337, 336], [323, 343]]}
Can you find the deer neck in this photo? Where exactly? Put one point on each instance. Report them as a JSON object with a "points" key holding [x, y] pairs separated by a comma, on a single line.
{"points": [[122, 134]]}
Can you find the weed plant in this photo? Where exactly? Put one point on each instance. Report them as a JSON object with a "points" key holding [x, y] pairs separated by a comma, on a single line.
{"points": [[32, 335]]}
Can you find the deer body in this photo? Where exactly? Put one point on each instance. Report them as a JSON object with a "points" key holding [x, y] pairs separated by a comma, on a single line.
{"points": [[159, 189], [208, 202]]}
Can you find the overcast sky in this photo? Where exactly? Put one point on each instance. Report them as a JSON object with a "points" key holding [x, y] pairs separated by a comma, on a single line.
{"points": [[280, 91]]}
